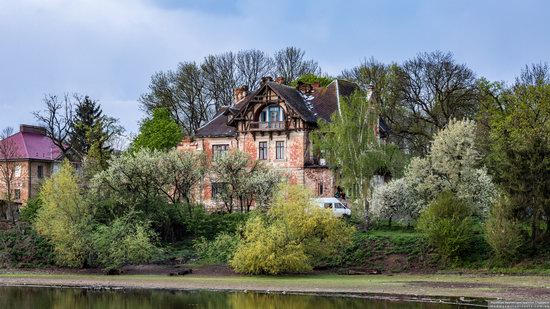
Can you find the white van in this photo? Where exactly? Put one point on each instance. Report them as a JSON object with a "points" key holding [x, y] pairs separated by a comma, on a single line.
{"points": [[339, 209]]}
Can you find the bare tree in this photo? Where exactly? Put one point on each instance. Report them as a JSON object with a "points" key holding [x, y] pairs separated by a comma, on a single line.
{"points": [[57, 118], [220, 74], [430, 90], [8, 154], [290, 64], [252, 65], [184, 93]]}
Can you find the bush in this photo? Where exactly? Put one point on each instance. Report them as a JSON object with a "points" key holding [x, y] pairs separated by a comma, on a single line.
{"points": [[294, 236], [21, 246], [203, 224], [218, 251], [502, 232], [30, 211], [125, 241], [448, 225]]}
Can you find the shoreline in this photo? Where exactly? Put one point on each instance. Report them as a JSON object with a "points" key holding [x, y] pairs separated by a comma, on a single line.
{"points": [[465, 289]]}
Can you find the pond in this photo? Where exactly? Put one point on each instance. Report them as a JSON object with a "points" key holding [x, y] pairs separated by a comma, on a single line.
{"points": [[72, 298]]}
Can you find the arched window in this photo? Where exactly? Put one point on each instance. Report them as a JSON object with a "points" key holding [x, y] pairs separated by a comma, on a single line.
{"points": [[272, 113]]}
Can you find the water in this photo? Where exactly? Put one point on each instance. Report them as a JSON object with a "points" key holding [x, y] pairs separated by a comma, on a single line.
{"points": [[42, 298]]}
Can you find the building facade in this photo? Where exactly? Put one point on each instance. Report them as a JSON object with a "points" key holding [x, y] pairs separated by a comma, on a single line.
{"points": [[27, 158], [274, 124]]}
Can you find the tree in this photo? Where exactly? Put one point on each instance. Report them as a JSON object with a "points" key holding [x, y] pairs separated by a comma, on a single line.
{"points": [[453, 164], [251, 66], [395, 200], [290, 63], [353, 150], [294, 236], [183, 171], [520, 147], [184, 93], [8, 152], [58, 120], [503, 231], [159, 132], [65, 217], [311, 78], [91, 128]]}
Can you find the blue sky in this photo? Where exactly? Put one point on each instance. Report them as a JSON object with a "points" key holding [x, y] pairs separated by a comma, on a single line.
{"points": [[108, 49]]}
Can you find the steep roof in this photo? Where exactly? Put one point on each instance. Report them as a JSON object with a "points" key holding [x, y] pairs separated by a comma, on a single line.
{"points": [[33, 146], [321, 103]]}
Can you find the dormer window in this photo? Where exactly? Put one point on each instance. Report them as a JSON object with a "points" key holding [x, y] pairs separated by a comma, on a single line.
{"points": [[272, 117]]}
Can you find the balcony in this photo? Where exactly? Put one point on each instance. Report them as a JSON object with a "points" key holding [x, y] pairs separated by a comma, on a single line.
{"points": [[267, 126]]}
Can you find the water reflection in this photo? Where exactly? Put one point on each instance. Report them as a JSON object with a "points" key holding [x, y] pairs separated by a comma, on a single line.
{"points": [[46, 298]]}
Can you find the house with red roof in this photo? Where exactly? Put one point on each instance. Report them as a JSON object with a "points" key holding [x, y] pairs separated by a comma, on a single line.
{"points": [[31, 157]]}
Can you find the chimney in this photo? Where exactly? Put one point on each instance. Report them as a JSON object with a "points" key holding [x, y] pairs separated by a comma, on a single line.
{"points": [[266, 79], [280, 80], [26, 128], [316, 85], [240, 93]]}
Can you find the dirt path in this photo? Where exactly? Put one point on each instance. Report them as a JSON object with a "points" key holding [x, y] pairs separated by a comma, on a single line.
{"points": [[417, 286]]}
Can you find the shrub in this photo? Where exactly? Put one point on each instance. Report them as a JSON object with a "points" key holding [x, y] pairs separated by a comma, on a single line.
{"points": [[64, 219], [125, 241], [218, 251], [21, 246], [30, 211], [294, 236], [448, 225], [502, 232]]}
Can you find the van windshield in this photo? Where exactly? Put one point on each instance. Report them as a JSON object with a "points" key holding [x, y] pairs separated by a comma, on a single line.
{"points": [[340, 206]]}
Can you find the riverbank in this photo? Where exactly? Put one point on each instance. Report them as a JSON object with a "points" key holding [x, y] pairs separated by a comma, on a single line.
{"points": [[402, 285]]}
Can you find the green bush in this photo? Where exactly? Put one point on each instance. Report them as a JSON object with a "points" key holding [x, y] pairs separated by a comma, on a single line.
{"points": [[203, 224], [294, 236], [125, 241], [217, 251], [30, 211], [448, 225], [21, 246], [502, 232]]}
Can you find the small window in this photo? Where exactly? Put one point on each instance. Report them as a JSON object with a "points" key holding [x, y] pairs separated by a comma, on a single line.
{"points": [[280, 150], [219, 150], [262, 151], [17, 171], [40, 171], [321, 189], [17, 193], [217, 189], [328, 205], [339, 206]]}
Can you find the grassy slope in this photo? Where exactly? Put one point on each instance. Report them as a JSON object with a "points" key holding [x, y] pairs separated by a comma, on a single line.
{"points": [[505, 287]]}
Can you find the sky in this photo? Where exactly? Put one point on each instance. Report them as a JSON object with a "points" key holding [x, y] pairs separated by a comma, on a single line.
{"points": [[108, 49]]}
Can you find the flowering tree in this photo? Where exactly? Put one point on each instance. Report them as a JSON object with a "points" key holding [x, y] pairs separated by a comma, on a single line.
{"points": [[395, 200]]}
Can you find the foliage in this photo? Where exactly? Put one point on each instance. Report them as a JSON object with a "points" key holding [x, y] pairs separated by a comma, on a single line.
{"points": [[217, 251], [448, 225], [354, 152], [244, 181], [64, 219], [30, 211], [311, 78], [204, 224], [160, 132], [454, 164], [294, 236], [125, 241], [502, 231], [21, 246], [519, 126], [395, 200]]}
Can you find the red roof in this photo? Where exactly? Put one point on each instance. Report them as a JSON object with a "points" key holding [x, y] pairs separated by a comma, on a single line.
{"points": [[33, 146]]}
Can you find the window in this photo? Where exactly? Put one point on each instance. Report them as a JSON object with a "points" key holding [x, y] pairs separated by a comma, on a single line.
{"points": [[328, 205], [17, 171], [217, 189], [262, 151], [272, 117], [280, 150], [17, 194], [320, 188], [339, 206], [219, 150], [40, 171]]}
